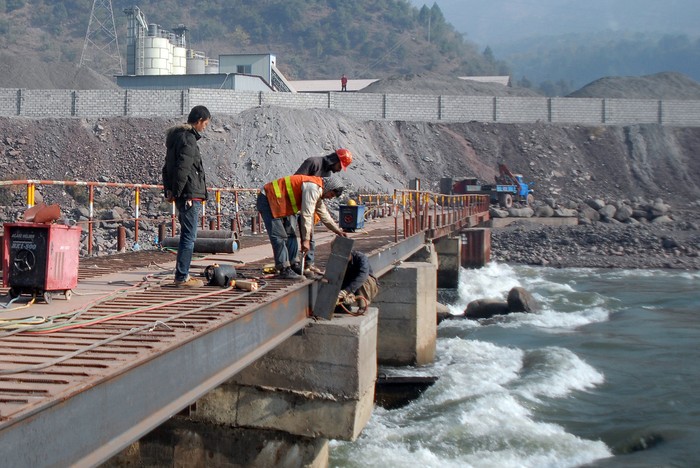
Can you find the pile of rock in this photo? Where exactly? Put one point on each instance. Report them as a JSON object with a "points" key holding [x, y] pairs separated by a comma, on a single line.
{"points": [[594, 210], [624, 235]]}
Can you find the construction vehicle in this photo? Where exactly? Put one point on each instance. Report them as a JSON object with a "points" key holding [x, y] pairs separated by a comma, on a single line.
{"points": [[509, 188]]}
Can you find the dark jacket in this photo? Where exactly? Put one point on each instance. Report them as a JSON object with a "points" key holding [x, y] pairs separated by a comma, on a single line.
{"points": [[357, 272], [183, 172], [319, 166]]}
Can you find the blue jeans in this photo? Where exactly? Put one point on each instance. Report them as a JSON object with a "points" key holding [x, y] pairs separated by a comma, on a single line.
{"points": [[189, 220], [283, 237]]}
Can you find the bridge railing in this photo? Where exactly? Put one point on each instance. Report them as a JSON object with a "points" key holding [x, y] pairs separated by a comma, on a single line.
{"points": [[238, 204], [419, 211], [423, 211]]}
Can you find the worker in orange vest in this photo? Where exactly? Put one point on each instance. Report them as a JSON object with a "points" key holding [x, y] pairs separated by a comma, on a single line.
{"points": [[280, 200], [322, 166]]}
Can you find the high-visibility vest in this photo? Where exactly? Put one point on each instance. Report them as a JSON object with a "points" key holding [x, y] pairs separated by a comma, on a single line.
{"points": [[284, 194]]}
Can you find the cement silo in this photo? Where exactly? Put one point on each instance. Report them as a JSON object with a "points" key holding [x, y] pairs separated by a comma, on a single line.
{"points": [[156, 54], [152, 50], [211, 66], [196, 62]]}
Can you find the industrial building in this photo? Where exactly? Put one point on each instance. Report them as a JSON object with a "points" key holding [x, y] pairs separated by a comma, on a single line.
{"points": [[158, 58]]}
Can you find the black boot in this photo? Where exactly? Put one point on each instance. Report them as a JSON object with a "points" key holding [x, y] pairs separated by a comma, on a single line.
{"points": [[288, 274], [296, 268]]}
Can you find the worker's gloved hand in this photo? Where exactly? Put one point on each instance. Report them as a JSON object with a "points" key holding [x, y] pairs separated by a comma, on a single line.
{"points": [[341, 296], [349, 299], [169, 197]]}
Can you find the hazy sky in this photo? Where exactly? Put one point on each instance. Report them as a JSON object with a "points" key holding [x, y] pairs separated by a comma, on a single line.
{"points": [[494, 21]]}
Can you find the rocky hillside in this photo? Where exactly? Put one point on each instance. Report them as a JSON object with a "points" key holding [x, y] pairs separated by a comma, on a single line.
{"points": [[569, 165], [246, 150]]}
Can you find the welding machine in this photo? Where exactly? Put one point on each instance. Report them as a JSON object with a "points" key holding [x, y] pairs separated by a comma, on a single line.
{"points": [[40, 259]]}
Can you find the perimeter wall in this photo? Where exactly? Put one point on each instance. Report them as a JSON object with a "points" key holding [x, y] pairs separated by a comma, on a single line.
{"points": [[54, 103]]}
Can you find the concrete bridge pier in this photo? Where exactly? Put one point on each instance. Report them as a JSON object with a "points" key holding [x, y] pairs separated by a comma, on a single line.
{"points": [[449, 253], [407, 302], [282, 409]]}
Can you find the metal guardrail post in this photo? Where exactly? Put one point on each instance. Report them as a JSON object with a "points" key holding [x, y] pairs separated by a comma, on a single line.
{"points": [[137, 214], [91, 215], [218, 209]]}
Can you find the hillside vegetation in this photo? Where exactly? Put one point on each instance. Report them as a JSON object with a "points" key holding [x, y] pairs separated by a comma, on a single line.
{"points": [[557, 65], [311, 38]]}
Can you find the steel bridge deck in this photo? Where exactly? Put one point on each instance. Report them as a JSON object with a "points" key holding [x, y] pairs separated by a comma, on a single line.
{"points": [[152, 350]]}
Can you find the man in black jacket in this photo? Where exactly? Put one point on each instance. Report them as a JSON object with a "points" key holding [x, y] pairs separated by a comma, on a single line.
{"points": [[358, 282], [184, 182]]}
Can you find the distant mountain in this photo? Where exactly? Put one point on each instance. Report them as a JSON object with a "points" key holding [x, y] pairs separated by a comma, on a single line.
{"points": [[558, 65], [505, 21], [558, 46], [318, 39]]}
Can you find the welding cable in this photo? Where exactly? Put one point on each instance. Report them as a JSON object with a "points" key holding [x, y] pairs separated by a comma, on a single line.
{"points": [[72, 316], [360, 310], [12, 299], [132, 331], [6, 306], [105, 318], [11, 324]]}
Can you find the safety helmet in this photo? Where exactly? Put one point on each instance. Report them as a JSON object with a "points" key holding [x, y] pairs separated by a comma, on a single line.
{"points": [[345, 157], [352, 202]]}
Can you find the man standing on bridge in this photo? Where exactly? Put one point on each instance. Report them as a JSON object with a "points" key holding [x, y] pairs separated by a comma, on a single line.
{"points": [[184, 183], [281, 199]]}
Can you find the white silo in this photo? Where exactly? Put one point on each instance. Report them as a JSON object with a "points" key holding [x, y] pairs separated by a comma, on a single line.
{"points": [[156, 56], [179, 60], [211, 65], [195, 62]]}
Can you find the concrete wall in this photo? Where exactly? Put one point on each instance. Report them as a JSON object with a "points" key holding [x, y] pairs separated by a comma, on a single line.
{"points": [[363, 106]]}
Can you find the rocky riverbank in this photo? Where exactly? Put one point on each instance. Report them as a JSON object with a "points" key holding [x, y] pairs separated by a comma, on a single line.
{"points": [[642, 235]]}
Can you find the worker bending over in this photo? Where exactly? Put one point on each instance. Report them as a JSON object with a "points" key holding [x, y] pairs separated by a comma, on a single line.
{"points": [[322, 166], [281, 199], [359, 283]]}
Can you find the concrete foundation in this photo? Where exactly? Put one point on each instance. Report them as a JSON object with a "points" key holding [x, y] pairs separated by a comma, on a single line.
{"points": [[318, 383], [407, 302], [183, 442], [449, 251]]}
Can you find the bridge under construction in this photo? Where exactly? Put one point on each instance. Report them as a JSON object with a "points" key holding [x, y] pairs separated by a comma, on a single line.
{"points": [[83, 376]]}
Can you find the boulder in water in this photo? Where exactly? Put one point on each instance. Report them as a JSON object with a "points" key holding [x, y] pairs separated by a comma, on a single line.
{"points": [[486, 308], [519, 300]]}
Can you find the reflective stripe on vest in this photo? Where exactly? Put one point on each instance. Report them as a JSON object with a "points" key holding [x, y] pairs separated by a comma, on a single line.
{"points": [[290, 192]]}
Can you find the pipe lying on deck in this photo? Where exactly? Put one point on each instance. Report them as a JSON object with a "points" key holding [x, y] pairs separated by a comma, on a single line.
{"points": [[205, 245]]}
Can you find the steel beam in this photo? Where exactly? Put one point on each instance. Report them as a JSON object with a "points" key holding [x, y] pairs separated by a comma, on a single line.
{"points": [[94, 423], [385, 259]]}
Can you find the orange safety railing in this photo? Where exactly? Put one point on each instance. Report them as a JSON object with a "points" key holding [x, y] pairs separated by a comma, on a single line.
{"points": [[422, 211], [237, 196]]}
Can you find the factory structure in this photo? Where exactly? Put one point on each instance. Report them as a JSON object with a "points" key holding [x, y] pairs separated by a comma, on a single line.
{"points": [[157, 58]]}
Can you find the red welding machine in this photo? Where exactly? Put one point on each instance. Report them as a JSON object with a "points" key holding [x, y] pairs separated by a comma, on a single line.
{"points": [[40, 259]]}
